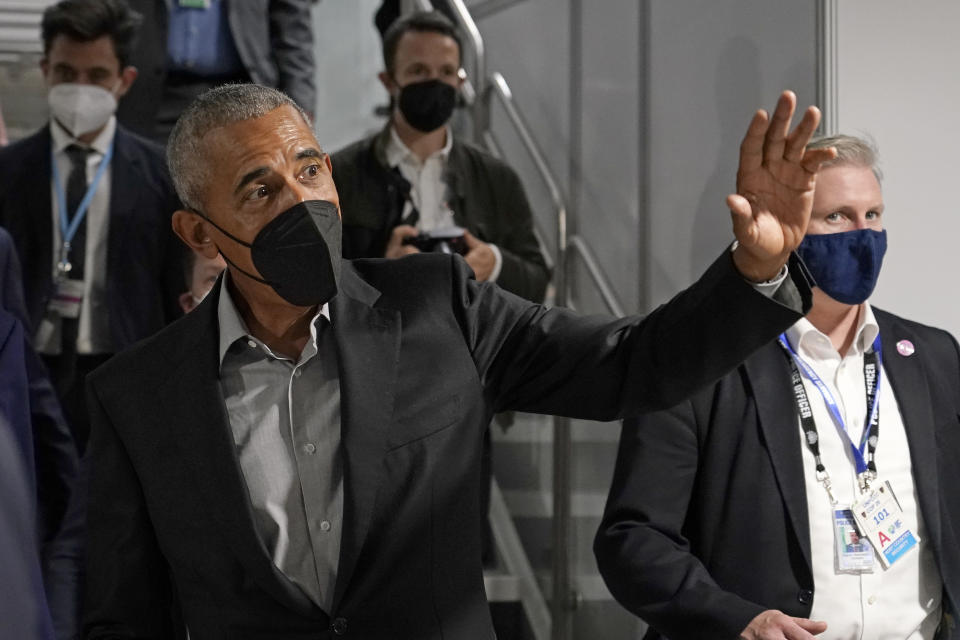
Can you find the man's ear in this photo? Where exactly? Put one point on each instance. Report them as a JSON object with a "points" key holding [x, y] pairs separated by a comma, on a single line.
{"points": [[127, 77], [192, 229]]}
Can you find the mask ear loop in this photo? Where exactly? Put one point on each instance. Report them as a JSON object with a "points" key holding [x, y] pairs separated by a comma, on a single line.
{"points": [[238, 241]]}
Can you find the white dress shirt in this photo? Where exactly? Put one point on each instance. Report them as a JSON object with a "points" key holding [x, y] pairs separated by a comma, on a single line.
{"points": [[93, 330], [428, 188], [902, 602]]}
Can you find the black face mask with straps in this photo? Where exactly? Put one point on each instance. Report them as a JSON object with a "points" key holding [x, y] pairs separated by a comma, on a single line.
{"points": [[427, 105], [297, 253]]}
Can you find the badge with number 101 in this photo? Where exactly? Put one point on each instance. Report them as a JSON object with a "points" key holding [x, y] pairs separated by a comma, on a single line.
{"points": [[881, 519]]}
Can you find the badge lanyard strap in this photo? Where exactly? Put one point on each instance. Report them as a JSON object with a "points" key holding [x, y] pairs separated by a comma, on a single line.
{"points": [[68, 227], [864, 454]]}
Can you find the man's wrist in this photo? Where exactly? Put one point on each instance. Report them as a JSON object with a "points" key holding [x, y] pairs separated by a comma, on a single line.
{"points": [[755, 271]]}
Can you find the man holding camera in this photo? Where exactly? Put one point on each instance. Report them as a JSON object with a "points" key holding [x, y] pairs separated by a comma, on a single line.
{"points": [[413, 187]]}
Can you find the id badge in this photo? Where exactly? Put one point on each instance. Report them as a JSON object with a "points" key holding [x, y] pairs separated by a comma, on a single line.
{"points": [[880, 517], [853, 553], [67, 298]]}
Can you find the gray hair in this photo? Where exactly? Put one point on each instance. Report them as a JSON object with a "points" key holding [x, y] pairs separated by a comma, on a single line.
{"points": [[851, 152], [218, 107]]}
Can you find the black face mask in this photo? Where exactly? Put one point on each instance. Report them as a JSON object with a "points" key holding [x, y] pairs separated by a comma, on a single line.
{"points": [[298, 253], [427, 105]]}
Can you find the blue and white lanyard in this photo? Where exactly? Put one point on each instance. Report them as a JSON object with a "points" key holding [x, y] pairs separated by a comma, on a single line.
{"points": [[69, 226], [864, 454]]}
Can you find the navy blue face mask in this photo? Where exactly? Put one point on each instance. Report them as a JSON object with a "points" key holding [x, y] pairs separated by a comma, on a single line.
{"points": [[845, 265]]}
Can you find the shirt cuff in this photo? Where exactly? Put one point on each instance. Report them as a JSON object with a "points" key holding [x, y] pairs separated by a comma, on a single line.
{"points": [[497, 264], [769, 287]]}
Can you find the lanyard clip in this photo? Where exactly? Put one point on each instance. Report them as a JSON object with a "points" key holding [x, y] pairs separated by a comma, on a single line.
{"points": [[63, 265], [865, 479], [824, 478]]}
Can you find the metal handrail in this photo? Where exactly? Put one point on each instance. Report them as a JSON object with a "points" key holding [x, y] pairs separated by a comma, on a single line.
{"points": [[596, 274]]}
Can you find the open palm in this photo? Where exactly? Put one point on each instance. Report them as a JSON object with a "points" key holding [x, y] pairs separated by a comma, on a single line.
{"points": [[775, 182]]}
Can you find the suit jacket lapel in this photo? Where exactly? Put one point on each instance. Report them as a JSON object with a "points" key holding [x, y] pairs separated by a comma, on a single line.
{"points": [[124, 179], [368, 345], [912, 388], [194, 402], [770, 378]]}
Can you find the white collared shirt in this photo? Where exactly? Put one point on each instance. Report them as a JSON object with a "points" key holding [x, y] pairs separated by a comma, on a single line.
{"points": [[93, 330], [902, 602], [428, 187]]}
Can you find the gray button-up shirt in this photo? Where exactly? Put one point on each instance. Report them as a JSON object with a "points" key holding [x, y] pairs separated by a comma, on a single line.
{"points": [[285, 418]]}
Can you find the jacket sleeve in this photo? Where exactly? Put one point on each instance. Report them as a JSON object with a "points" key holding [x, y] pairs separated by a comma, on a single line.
{"points": [[640, 547], [128, 591], [291, 41], [524, 270], [551, 361]]}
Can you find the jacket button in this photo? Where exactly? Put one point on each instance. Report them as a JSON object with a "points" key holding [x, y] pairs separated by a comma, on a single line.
{"points": [[805, 596], [339, 626]]}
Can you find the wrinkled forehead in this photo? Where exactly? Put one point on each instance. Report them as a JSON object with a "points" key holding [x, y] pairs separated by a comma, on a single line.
{"points": [[269, 141]]}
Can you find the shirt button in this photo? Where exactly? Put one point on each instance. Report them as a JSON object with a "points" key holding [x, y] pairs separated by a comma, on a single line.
{"points": [[871, 599], [252, 344], [309, 448], [325, 526], [297, 372]]}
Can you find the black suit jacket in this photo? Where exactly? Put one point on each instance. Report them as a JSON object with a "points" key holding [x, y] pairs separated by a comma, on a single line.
{"points": [[144, 257], [273, 37], [486, 197], [706, 524], [30, 406], [426, 356]]}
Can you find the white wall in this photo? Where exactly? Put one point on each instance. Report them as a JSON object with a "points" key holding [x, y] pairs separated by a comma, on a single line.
{"points": [[348, 58], [898, 68], [711, 66]]}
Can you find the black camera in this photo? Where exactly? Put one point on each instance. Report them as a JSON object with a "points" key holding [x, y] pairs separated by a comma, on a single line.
{"points": [[440, 241]]}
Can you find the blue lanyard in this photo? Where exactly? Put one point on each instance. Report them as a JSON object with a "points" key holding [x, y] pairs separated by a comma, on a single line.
{"points": [[864, 454], [69, 226]]}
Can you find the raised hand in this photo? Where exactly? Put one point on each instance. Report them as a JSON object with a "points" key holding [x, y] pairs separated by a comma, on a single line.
{"points": [[775, 182]]}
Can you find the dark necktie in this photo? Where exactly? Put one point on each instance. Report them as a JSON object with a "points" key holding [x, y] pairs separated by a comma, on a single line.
{"points": [[76, 189]]}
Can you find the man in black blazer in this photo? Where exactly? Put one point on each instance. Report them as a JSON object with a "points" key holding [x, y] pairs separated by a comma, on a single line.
{"points": [[269, 42], [207, 495], [717, 524], [124, 259]]}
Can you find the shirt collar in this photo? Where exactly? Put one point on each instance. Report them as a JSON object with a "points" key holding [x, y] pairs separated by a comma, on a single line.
{"points": [[397, 152], [232, 326], [62, 139], [804, 336]]}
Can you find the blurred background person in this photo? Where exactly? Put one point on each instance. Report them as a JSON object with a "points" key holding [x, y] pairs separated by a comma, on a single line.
{"points": [[188, 46], [413, 177], [30, 412], [101, 266]]}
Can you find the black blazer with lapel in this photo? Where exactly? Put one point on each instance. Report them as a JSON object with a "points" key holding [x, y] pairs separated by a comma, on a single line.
{"points": [[144, 257], [485, 194], [426, 356], [706, 523]]}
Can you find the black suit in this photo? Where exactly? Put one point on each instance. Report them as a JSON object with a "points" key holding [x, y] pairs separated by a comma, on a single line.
{"points": [[144, 263], [144, 257], [426, 356], [485, 194], [697, 486]]}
